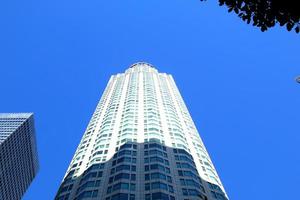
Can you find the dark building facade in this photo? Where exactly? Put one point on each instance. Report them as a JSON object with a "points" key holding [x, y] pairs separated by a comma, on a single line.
{"points": [[18, 154]]}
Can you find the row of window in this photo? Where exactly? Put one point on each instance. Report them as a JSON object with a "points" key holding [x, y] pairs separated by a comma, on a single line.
{"points": [[128, 146], [66, 188], [189, 182], [186, 165], [159, 185], [120, 176], [89, 184], [192, 192], [217, 195], [125, 160], [159, 196], [155, 152], [184, 158], [87, 194], [125, 152], [155, 145], [158, 175], [156, 159], [123, 167], [91, 175], [187, 173], [157, 167], [121, 186]]}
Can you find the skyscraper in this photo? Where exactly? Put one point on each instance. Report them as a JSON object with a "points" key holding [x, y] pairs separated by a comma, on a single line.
{"points": [[18, 154], [141, 143]]}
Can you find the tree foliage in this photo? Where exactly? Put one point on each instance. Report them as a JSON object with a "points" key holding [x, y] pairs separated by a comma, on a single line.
{"points": [[266, 13]]}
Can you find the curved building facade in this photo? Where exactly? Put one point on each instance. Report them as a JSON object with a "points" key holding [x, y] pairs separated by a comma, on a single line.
{"points": [[141, 143]]}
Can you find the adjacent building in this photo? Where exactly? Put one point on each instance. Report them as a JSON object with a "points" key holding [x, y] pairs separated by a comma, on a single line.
{"points": [[141, 143], [18, 154]]}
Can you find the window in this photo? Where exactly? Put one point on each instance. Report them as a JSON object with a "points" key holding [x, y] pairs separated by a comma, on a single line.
{"points": [[171, 189], [111, 179], [185, 192], [133, 168], [132, 197], [147, 196], [109, 190], [119, 186], [132, 186], [160, 196], [123, 167], [147, 186], [193, 192], [147, 168], [133, 177], [159, 185], [122, 176], [147, 177], [120, 196]]}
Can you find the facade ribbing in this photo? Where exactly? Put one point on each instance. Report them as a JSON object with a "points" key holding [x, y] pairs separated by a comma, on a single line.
{"points": [[18, 154]]}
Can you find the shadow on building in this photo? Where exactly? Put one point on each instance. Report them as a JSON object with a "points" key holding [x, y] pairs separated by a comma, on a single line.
{"points": [[148, 171]]}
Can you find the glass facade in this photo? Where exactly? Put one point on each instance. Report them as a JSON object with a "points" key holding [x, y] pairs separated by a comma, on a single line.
{"points": [[141, 143], [18, 154]]}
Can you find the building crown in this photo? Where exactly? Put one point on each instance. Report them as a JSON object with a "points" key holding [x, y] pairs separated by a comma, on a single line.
{"points": [[141, 67]]}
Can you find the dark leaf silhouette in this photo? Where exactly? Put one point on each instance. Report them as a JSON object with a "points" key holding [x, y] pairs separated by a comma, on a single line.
{"points": [[266, 13]]}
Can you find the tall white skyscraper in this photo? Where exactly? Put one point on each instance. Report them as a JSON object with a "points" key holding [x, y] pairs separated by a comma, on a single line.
{"points": [[18, 154], [141, 143]]}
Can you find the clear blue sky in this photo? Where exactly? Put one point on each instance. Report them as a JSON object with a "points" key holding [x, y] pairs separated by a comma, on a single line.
{"points": [[56, 57]]}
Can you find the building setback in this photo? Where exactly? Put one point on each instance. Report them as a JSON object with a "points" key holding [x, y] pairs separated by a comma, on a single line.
{"points": [[141, 143], [18, 154]]}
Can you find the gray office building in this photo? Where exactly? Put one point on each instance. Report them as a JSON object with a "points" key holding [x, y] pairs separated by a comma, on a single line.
{"points": [[18, 154]]}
